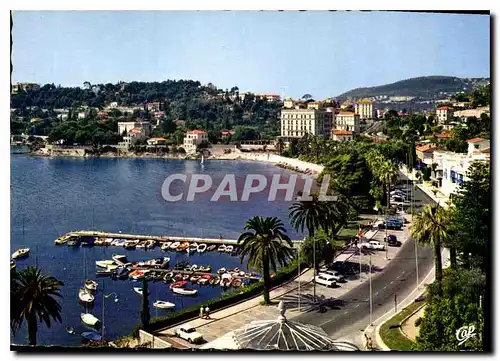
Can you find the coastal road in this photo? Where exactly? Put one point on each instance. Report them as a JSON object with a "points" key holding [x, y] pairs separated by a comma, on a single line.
{"points": [[397, 278]]}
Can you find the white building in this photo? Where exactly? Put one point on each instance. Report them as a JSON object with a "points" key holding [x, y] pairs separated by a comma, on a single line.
{"points": [[347, 121], [289, 103], [444, 115], [364, 108], [193, 139], [143, 127], [342, 135], [298, 122], [464, 114]]}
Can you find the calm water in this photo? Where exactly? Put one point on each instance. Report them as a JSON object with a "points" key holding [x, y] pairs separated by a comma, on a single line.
{"points": [[52, 196]]}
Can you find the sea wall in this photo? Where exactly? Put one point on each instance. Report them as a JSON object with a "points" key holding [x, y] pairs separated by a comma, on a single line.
{"points": [[288, 162]]}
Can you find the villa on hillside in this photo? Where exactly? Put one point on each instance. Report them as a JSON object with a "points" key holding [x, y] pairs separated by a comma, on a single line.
{"points": [[193, 139]]}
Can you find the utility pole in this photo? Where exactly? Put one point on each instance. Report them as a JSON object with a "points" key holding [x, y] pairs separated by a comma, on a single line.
{"points": [[371, 291], [411, 211], [395, 304]]}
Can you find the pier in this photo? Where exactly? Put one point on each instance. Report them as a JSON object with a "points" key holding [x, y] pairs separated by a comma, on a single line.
{"points": [[160, 239]]}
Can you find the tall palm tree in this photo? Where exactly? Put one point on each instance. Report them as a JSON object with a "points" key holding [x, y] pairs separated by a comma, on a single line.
{"points": [[311, 215], [431, 228], [266, 244], [33, 295]]}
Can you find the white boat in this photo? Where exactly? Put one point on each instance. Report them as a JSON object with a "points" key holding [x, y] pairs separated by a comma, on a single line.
{"points": [[119, 258], [221, 270], [118, 243], [165, 246], [84, 296], [131, 244], [225, 280], [202, 248], [150, 244], [91, 285], [89, 319], [20, 253], [104, 263], [184, 291], [141, 244], [138, 290], [163, 304], [229, 249], [222, 248], [193, 247], [194, 268], [61, 240], [112, 267], [175, 245]]}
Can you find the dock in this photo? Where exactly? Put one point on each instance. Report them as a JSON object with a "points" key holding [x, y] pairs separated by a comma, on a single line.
{"points": [[160, 239]]}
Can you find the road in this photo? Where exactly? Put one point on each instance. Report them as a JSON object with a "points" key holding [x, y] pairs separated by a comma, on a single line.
{"points": [[398, 278]]}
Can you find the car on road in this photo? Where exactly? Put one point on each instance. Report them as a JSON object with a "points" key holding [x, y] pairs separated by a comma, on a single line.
{"points": [[392, 240], [325, 280], [189, 334], [372, 245], [336, 275], [390, 225]]}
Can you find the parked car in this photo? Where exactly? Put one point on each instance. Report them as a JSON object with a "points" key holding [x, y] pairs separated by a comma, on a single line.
{"points": [[325, 280], [335, 274], [390, 225], [345, 268], [392, 240], [189, 334], [372, 245]]}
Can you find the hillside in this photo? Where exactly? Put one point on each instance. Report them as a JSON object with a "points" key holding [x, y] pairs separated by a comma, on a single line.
{"points": [[428, 87]]}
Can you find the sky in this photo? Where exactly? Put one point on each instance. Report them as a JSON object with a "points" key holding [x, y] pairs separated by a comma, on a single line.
{"points": [[292, 53]]}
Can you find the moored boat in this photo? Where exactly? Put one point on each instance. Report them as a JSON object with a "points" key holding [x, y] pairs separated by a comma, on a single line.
{"points": [[236, 282], [222, 248], [229, 249], [203, 281], [138, 290], [185, 291], [104, 263], [225, 280], [183, 246], [150, 244], [163, 304], [193, 247], [215, 281], [91, 336], [211, 248], [178, 284], [174, 245], [122, 272], [107, 242], [21, 253], [177, 278], [103, 273], [137, 274], [165, 246], [204, 268], [221, 270], [61, 240], [89, 319], [194, 279], [91, 285], [131, 244], [84, 296], [99, 242], [141, 244], [119, 258], [202, 247], [118, 243]]}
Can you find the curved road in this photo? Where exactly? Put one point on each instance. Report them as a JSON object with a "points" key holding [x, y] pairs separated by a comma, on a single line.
{"points": [[398, 278]]}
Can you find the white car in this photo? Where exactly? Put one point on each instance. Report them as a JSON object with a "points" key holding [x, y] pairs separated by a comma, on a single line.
{"points": [[372, 245], [189, 334], [336, 275], [325, 280]]}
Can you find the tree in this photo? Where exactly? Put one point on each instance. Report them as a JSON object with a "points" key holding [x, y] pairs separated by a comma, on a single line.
{"points": [[32, 299], [431, 228], [280, 146], [145, 314], [266, 244], [326, 249]]}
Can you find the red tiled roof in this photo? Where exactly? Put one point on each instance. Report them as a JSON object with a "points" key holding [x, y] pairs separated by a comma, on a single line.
{"points": [[158, 139], [425, 148], [445, 108], [341, 132], [197, 131], [486, 150], [475, 140]]}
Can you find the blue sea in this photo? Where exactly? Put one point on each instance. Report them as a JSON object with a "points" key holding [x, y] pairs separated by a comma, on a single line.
{"points": [[52, 196]]}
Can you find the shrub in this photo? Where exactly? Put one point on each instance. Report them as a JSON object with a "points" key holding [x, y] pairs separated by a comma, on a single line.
{"points": [[418, 321]]}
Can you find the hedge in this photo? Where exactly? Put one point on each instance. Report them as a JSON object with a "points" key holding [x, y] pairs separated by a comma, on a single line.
{"points": [[286, 273]]}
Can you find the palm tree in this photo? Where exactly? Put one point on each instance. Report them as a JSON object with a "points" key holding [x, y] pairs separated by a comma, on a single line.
{"points": [[311, 215], [388, 174], [431, 228], [266, 244], [33, 299], [280, 146]]}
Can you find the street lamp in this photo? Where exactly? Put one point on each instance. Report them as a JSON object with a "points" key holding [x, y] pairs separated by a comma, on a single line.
{"points": [[103, 307], [371, 291]]}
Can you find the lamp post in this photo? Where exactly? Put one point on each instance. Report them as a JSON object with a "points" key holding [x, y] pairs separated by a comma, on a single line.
{"points": [[411, 212], [103, 307], [371, 291]]}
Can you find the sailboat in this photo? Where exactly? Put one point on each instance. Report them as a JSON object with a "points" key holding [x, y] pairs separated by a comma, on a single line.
{"points": [[83, 293]]}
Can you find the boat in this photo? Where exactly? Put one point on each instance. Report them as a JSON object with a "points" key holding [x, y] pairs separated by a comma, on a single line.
{"points": [[104, 263], [91, 285], [236, 282], [112, 267], [204, 269], [181, 265], [119, 258], [211, 248], [229, 249], [107, 242], [178, 284], [70, 330], [141, 244], [99, 242], [163, 304], [61, 240], [131, 244], [215, 281], [166, 246], [225, 280], [177, 277], [12, 264], [183, 246], [194, 268], [168, 277], [222, 248], [185, 277], [174, 245], [84, 296], [194, 279], [89, 319], [221, 270], [203, 281], [91, 336], [150, 244], [201, 248], [73, 243], [122, 272], [118, 243], [185, 291], [202, 160], [138, 290], [193, 247], [137, 274], [21, 253]]}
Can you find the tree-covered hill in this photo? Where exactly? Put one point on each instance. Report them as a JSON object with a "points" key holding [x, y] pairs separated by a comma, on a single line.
{"points": [[427, 87]]}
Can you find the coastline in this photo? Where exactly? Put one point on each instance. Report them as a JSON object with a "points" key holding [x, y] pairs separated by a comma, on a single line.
{"points": [[277, 160]]}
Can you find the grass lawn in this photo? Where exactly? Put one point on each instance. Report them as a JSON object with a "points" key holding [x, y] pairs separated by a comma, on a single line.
{"points": [[393, 337], [352, 228]]}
